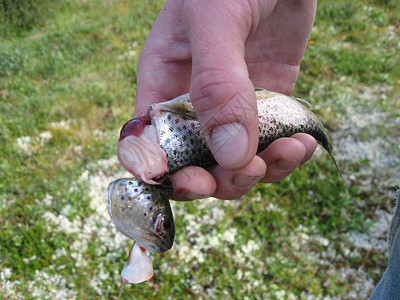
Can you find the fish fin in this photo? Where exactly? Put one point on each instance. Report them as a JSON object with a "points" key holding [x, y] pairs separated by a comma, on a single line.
{"points": [[262, 94], [305, 103], [258, 89], [180, 105], [121, 290], [139, 267], [329, 148], [335, 162], [270, 94]]}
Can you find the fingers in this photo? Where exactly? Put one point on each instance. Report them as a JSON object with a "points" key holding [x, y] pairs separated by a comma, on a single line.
{"points": [[233, 184], [275, 48], [284, 155], [280, 159], [217, 48], [164, 66], [221, 91], [193, 183], [196, 183], [309, 143]]}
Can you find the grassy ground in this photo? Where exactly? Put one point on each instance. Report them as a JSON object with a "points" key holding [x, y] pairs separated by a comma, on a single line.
{"points": [[67, 84]]}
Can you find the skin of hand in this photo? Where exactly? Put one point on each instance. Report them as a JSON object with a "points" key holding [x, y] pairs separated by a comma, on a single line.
{"points": [[219, 50]]}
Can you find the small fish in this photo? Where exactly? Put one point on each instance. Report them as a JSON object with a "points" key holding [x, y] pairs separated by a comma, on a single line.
{"points": [[168, 139], [142, 212]]}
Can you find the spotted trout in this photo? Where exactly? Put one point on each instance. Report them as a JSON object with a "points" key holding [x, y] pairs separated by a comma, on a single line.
{"points": [[168, 139]]}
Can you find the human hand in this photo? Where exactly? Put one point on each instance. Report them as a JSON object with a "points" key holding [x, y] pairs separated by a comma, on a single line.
{"points": [[219, 51]]}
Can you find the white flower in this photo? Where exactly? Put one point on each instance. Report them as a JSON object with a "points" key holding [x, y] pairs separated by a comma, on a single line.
{"points": [[63, 124], [213, 242], [250, 247], [24, 143], [5, 274], [229, 235], [280, 294], [44, 137], [322, 241]]}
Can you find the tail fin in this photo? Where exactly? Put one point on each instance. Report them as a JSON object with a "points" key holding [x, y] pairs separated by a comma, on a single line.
{"points": [[335, 162]]}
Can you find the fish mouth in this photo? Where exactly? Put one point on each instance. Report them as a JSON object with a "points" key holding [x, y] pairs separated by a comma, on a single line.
{"points": [[154, 243], [163, 179], [156, 240], [153, 160]]}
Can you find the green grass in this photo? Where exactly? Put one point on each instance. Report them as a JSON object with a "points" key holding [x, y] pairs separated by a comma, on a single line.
{"points": [[68, 83]]}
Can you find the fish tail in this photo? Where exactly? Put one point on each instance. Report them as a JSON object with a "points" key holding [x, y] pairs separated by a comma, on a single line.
{"points": [[329, 148], [335, 163], [121, 290]]}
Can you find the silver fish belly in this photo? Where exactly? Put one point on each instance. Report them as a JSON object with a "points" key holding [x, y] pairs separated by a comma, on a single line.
{"points": [[279, 115], [168, 139], [142, 212]]}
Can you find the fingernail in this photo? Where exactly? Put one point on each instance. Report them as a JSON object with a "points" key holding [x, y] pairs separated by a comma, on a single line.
{"points": [[194, 196], [244, 182], [229, 144], [286, 165], [305, 159]]}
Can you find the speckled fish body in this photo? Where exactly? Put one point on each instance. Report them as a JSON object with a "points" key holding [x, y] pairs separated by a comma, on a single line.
{"points": [[168, 139], [279, 115], [142, 212]]}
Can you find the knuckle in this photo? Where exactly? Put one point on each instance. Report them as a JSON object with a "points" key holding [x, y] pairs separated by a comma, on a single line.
{"points": [[211, 89], [190, 8]]}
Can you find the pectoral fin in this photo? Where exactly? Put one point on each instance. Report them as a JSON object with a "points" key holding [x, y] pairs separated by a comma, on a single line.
{"points": [[305, 103], [180, 106], [139, 267]]}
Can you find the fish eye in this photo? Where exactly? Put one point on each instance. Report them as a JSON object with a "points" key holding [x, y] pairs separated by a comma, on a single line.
{"points": [[166, 225], [163, 225]]}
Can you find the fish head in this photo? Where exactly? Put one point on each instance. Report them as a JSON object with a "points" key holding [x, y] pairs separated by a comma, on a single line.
{"points": [[142, 212], [139, 151]]}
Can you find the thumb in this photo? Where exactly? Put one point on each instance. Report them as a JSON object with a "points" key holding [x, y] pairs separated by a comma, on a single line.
{"points": [[221, 92]]}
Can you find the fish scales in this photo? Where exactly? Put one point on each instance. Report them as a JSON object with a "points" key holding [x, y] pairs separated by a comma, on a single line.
{"points": [[279, 116], [183, 142], [170, 138], [130, 199]]}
